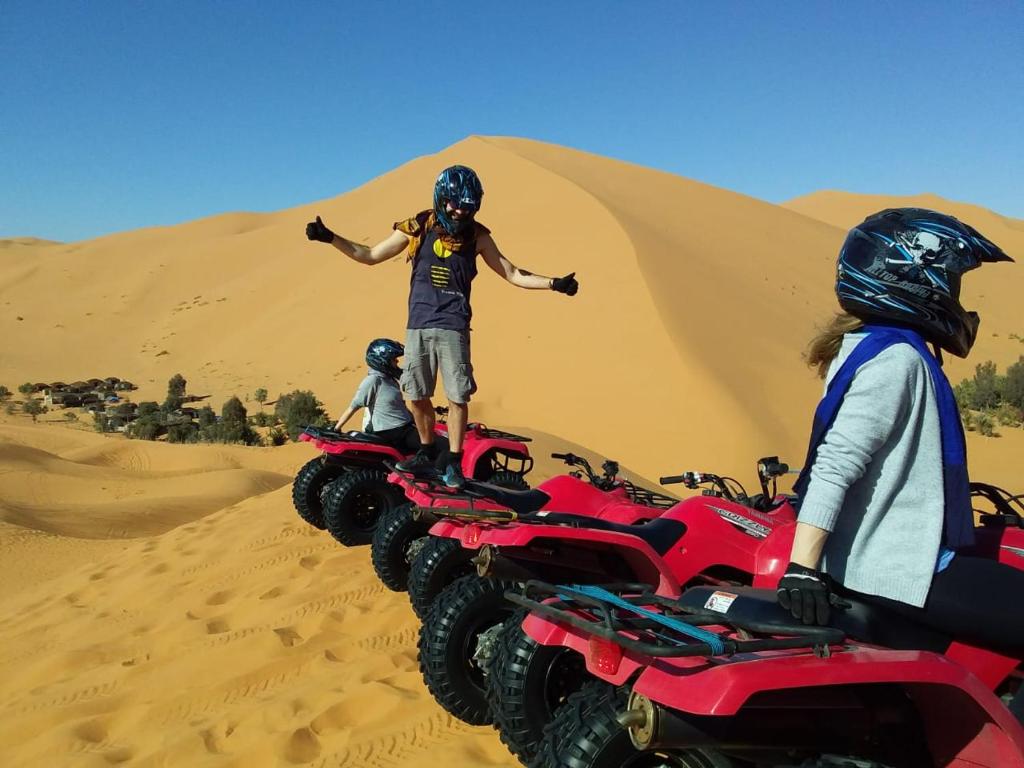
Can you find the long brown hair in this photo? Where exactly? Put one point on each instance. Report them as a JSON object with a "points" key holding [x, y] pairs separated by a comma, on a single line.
{"points": [[825, 345]]}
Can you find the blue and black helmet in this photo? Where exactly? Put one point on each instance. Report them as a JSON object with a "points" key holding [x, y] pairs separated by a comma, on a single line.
{"points": [[461, 187], [903, 266], [381, 355]]}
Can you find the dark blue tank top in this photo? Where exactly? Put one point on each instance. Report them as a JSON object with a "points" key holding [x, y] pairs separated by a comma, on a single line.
{"points": [[440, 285]]}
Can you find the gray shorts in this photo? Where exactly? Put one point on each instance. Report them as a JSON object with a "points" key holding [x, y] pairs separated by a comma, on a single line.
{"points": [[426, 350]]}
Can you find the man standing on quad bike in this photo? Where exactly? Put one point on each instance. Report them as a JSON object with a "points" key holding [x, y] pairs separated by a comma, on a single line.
{"points": [[443, 244], [386, 414], [885, 507]]}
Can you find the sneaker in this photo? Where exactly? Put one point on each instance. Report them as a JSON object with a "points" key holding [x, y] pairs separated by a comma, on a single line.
{"points": [[452, 475], [419, 463]]}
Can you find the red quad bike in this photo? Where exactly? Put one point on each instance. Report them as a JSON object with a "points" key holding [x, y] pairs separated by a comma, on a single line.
{"points": [[721, 677], [346, 488], [412, 550], [471, 644]]}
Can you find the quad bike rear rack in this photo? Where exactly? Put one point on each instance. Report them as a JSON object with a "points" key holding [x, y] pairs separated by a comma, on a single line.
{"points": [[622, 614]]}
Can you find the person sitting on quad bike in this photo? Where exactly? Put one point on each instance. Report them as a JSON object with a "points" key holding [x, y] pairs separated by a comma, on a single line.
{"points": [[443, 244], [386, 415], [884, 499]]}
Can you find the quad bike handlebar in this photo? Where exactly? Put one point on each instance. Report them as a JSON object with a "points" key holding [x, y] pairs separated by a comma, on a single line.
{"points": [[604, 482], [769, 469]]}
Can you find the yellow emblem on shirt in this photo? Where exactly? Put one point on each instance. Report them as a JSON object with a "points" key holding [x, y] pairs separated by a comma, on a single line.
{"points": [[440, 251]]}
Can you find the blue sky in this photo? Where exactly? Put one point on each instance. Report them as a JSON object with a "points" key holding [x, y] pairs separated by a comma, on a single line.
{"points": [[116, 115]]}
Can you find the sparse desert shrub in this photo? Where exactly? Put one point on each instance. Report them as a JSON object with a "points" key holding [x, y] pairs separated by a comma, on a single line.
{"points": [[1008, 415], [277, 436], [260, 396], [100, 422], [967, 417], [4, 392], [964, 394], [70, 416], [986, 425], [27, 388], [10, 408], [262, 419], [34, 408]]}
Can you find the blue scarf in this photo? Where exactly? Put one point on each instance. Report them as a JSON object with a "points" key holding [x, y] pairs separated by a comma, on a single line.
{"points": [[958, 528]]}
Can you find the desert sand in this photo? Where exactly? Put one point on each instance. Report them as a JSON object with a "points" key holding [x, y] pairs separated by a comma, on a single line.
{"points": [[164, 605]]}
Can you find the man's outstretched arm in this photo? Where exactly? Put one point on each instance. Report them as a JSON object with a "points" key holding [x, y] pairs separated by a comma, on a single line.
{"points": [[496, 260], [382, 251]]}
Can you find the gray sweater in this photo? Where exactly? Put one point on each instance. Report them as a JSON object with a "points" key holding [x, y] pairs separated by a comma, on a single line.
{"points": [[876, 483]]}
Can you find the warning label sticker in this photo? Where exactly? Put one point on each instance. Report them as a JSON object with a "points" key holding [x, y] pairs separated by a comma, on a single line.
{"points": [[720, 602]]}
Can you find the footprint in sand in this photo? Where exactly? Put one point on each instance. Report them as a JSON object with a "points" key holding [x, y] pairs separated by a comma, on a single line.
{"points": [[92, 731], [288, 636], [217, 626], [270, 594], [118, 755], [219, 598], [302, 747], [215, 737], [310, 562]]}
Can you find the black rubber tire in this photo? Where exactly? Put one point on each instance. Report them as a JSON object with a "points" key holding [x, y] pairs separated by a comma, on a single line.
{"points": [[354, 503], [308, 486], [447, 641], [528, 683], [586, 734], [439, 563], [511, 480], [395, 531]]}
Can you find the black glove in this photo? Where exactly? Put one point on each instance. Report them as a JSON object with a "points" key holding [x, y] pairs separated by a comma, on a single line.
{"points": [[566, 285], [805, 593], [317, 230]]}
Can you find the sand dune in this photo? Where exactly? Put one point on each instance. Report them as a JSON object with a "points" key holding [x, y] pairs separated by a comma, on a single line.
{"points": [[165, 606], [243, 637]]}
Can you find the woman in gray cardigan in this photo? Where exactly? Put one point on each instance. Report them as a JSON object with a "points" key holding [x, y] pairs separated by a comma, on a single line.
{"points": [[884, 501]]}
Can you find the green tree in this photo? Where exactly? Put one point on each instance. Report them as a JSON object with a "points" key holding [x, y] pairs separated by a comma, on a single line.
{"points": [[175, 393], [27, 388], [100, 422], [34, 408], [146, 429], [4, 392], [233, 426], [233, 412], [986, 386], [260, 396], [206, 416], [148, 408], [299, 409], [183, 433], [1013, 385]]}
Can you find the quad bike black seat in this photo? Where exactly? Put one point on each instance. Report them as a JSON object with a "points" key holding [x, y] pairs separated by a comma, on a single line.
{"points": [[759, 610], [323, 433], [522, 502], [661, 533], [363, 437]]}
